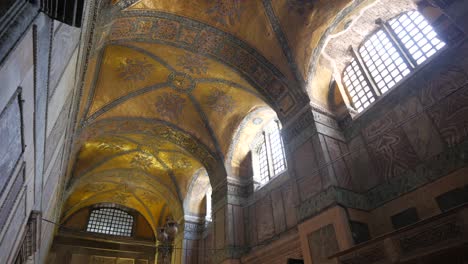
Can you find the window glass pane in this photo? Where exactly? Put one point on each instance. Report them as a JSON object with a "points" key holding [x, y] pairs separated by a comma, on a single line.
{"points": [[111, 221], [262, 164], [270, 154], [359, 90], [277, 151], [383, 60], [418, 37]]}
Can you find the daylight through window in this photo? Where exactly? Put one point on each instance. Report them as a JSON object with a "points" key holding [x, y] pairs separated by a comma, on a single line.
{"points": [[110, 221], [387, 56], [269, 154]]}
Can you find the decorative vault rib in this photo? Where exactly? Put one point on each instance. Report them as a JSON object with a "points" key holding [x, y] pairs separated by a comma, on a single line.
{"points": [[158, 128], [276, 25]]}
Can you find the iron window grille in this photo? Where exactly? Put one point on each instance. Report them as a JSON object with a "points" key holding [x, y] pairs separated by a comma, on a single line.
{"points": [[270, 154], [388, 55], [110, 221]]}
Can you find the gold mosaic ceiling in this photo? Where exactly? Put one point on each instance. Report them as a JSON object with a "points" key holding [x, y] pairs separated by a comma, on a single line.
{"points": [[167, 86]]}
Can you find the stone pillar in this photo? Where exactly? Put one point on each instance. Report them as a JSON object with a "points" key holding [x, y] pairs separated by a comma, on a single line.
{"points": [[228, 222], [191, 249], [316, 148]]}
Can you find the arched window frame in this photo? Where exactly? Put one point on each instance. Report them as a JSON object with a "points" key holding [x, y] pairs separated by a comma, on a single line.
{"points": [[268, 154], [368, 79], [115, 212]]}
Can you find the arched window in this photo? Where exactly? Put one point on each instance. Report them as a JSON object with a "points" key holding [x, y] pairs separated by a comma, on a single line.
{"points": [[110, 221], [388, 55], [268, 155]]}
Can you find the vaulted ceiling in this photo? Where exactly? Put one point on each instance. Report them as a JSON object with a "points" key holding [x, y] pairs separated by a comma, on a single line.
{"points": [[168, 83]]}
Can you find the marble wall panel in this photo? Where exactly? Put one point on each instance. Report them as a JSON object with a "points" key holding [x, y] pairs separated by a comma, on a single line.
{"points": [[322, 244], [219, 228], [392, 154], [251, 224], [360, 166], [451, 117], [64, 43], [13, 229], [421, 134], [306, 170], [264, 218], [290, 199], [446, 80], [57, 132], [7, 205], [10, 140], [278, 211], [336, 150]]}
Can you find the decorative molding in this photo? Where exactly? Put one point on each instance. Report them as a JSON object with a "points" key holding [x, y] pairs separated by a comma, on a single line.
{"points": [[283, 41], [193, 231]]}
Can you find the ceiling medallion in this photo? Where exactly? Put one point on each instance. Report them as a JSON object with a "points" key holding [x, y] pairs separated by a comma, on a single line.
{"points": [[181, 82]]}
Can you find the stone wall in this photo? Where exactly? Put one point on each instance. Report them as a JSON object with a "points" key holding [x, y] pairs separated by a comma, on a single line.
{"points": [[33, 123]]}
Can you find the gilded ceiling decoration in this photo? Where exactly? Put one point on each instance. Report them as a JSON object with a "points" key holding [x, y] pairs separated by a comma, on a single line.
{"points": [[226, 12], [168, 88], [132, 70]]}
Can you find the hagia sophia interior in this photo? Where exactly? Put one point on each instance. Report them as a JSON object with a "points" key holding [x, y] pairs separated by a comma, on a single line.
{"points": [[233, 131]]}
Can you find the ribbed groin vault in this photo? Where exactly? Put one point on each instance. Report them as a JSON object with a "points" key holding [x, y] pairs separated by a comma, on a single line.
{"points": [[165, 90]]}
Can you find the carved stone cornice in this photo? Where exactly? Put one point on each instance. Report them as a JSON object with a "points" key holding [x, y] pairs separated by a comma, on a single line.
{"points": [[193, 230]]}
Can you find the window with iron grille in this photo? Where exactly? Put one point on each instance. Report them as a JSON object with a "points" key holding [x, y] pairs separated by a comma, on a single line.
{"points": [[269, 155], [388, 55], [110, 221]]}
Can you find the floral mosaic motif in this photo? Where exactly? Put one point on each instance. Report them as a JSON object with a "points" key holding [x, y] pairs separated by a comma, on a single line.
{"points": [[301, 6], [143, 161], [226, 12], [109, 147], [120, 198], [194, 64], [170, 105], [180, 162], [220, 102], [134, 69], [181, 81]]}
